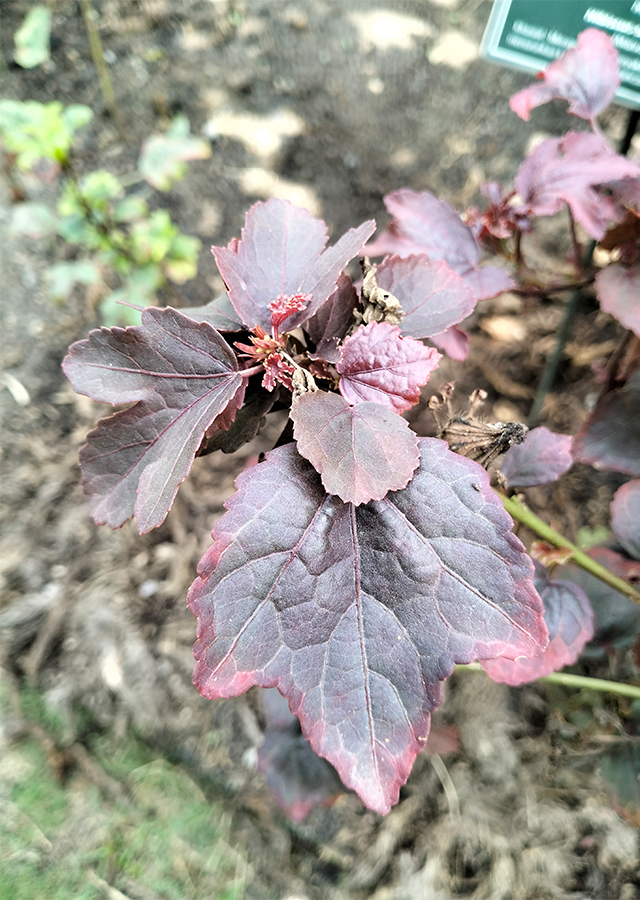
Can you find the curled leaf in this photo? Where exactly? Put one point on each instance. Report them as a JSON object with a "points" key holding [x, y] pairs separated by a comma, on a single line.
{"points": [[587, 76]]}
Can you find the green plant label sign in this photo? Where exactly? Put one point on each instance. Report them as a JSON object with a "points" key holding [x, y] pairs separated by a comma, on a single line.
{"points": [[529, 34]]}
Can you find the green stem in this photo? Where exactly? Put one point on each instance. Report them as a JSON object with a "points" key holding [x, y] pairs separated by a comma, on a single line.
{"points": [[517, 510], [579, 681], [97, 54]]}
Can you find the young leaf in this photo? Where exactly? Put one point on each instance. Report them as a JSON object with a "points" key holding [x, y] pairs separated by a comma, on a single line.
{"points": [[63, 276], [162, 161], [568, 170], [543, 457], [618, 290], [122, 307], [35, 220], [424, 224], [281, 254], [587, 76], [361, 451], [377, 364], [569, 618], [298, 777], [332, 321], [357, 613], [431, 295], [32, 38], [625, 517], [181, 375], [610, 438]]}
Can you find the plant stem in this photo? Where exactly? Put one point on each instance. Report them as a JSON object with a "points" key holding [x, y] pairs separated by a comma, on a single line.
{"points": [[517, 510], [97, 54], [579, 681], [551, 366]]}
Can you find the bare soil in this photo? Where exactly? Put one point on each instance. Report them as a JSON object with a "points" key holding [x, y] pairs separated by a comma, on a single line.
{"points": [[331, 105]]}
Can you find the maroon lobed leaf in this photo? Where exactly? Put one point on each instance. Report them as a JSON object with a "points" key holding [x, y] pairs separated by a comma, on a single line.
{"points": [[361, 451], [357, 613], [543, 457], [610, 438], [569, 618], [181, 375], [424, 224], [567, 170], [618, 289], [431, 295], [587, 76], [298, 777], [281, 254], [625, 517], [377, 364], [332, 321]]}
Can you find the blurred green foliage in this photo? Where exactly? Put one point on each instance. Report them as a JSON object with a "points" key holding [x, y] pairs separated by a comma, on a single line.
{"points": [[117, 235], [63, 840]]}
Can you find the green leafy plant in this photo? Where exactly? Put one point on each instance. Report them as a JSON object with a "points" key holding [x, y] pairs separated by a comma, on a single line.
{"points": [[32, 38], [119, 239]]}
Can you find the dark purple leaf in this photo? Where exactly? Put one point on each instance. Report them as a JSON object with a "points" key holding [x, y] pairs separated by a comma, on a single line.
{"points": [[298, 777], [424, 224], [360, 451], [625, 517], [619, 768], [567, 170], [332, 321], [377, 364], [617, 618], [543, 457], [431, 295], [587, 76], [181, 375], [281, 254], [618, 290], [610, 438], [569, 618], [454, 342], [220, 314], [245, 425], [357, 613]]}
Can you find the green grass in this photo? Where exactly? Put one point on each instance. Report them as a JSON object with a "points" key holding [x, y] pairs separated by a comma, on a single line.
{"points": [[68, 842]]}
